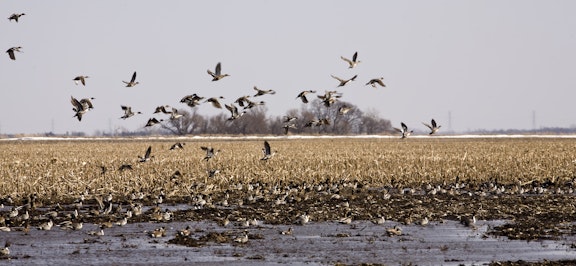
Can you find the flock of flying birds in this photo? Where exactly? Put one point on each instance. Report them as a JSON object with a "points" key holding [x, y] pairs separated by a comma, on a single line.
{"points": [[82, 106]]}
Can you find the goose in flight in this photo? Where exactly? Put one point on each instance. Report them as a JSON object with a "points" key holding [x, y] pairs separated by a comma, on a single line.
{"points": [[132, 82], [260, 92], [146, 155], [128, 112], [81, 107], [210, 152], [234, 114], [343, 82], [302, 95], [287, 128], [404, 130], [177, 145], [288, 119], [329, 97], [214, 101], [433, 127], [191, 100], [12, 50], [174, 114], [16, 16], [251, 104], [376, 81], [344, 109], [351, 63], [243, 101], [268, 153], [80, 79], [217, 75], [162, 109], [153, 121]]}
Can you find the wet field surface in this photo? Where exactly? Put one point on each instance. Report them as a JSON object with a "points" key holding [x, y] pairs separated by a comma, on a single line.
{"points": [[315, 243]]}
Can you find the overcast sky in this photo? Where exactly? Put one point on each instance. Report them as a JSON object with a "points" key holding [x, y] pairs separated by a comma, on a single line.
{"points": [[491, 64]]}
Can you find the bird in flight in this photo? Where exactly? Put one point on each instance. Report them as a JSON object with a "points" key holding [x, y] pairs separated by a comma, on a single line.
{"points": [[80, 79], [210, 152], [217, 74], [191, 100], [302, 95], [16, 16], [12, 50], [128, 111], [215, 102], [81, 107], [132, 82], [153, 121], [351, 63], [234, 114], [343, 82], [404, 130], [268, 153], [377, 81], [432, 126], [146, 155], [260, 92]]}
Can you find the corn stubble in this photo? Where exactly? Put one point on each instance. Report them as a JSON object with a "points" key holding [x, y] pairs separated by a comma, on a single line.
{"points": [[61, 170]]}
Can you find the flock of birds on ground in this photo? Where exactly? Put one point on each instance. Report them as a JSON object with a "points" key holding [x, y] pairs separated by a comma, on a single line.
{"points": [[82, 106]]}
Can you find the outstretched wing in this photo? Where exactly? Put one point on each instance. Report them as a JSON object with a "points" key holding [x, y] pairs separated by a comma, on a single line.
{"points": [[218, 69], [267, 148], [133, 77], [339, 79], [148, 151]]}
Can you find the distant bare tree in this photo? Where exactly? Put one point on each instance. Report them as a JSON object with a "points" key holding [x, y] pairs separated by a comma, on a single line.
{"points": [[189, 123], [371, 123]]}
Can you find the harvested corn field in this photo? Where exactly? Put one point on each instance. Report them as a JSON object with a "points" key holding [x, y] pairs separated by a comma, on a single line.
{"points": [[522, 187]]}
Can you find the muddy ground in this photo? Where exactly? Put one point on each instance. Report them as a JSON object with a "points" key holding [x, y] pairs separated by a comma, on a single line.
{"points": [[510, 229]]}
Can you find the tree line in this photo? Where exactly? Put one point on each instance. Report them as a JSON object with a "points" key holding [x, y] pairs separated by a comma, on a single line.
{"points": [[255, 121]]}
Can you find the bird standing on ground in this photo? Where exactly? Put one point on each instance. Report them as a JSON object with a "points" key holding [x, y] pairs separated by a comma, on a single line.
{"points": [[351, 63], [343, 82], [12, 50], [433, 127], [217, 75], [377, 81], [5, 251], [132, 82]]}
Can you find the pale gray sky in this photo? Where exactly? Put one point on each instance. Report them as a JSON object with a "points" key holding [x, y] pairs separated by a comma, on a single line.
{"points": [[489, 63]]}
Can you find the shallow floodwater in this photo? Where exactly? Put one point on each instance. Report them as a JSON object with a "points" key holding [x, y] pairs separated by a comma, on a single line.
{"points": [[447, 243]]}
